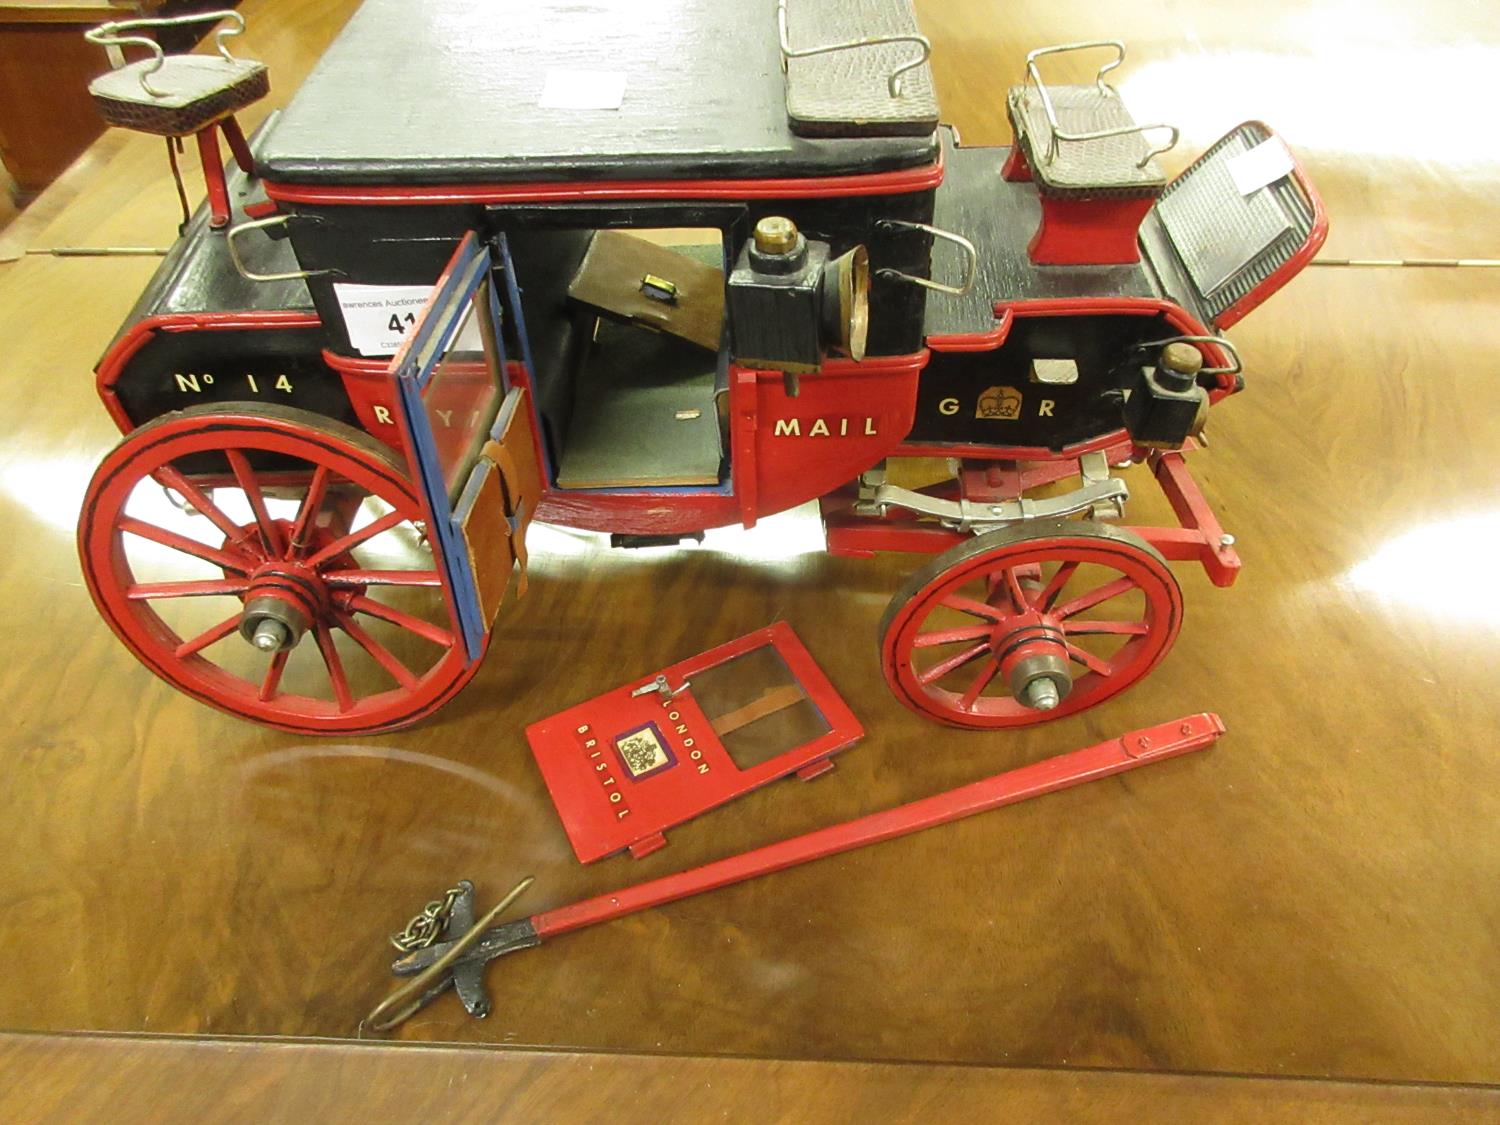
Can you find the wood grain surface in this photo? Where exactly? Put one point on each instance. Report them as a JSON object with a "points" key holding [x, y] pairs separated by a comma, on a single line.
{"points": [[128, 1079], [1318, 895]]}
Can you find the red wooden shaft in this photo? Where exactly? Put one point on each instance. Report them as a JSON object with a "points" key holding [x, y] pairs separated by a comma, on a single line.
{"points": [[1139, 748]]}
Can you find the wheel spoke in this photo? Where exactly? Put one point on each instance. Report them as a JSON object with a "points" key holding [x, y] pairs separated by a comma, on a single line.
{"points": [[355, 538], [335, 667], [943, 667], [169, 477], [1054, 587], [216, 555], [980, 682], [272, 683], [307, 513], [1089, 660], [1100, 628], [208, 637], [146, 591], [382, 578], [381, 655], [950, 636], [424, 629], [973, 608], [1095, 597], [1013, 589], [269, 535]]}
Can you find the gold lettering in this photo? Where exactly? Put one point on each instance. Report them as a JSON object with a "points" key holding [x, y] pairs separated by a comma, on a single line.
{"points": [[1044, 408], [948, 406], [283, 384], [187, 383], [869, 427], [254, 386], [384, 415], [792, 426]]}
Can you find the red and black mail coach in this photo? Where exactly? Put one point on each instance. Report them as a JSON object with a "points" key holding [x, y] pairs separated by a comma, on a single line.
{"points": [[652, 271]]}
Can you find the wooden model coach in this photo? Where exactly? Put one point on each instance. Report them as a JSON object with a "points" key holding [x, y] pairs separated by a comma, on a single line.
{"points": [[652, 270]]}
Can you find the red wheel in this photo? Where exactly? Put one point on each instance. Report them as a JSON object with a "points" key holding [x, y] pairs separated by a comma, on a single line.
{"points": [[216, 539], [1028, 623]]}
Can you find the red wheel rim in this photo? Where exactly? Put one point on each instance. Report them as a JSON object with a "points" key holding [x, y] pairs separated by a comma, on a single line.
{"points": [[279, 502], [1105, 600]]}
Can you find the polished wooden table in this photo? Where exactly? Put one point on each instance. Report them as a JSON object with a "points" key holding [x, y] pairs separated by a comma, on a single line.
{"points": [[1318, 896]]}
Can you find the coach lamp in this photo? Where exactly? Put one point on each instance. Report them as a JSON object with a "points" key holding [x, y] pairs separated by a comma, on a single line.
{"points": [[791, 302]]}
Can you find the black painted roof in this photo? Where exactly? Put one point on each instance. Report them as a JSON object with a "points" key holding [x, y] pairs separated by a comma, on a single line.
{"points": [[446, 91]]}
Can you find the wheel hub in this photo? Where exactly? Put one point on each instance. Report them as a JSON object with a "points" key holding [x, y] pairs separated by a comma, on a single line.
{"points": [[282, 603], [1032, 653], [286, 597]]}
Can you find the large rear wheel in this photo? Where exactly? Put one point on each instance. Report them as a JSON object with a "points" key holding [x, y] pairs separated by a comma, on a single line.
{"points": [[270, 562]]}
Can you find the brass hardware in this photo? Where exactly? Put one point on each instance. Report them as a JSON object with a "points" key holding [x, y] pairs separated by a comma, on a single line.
{"points": [[426, 927], [775, 234], [658, 289], [410, 997], [1182, 358]]}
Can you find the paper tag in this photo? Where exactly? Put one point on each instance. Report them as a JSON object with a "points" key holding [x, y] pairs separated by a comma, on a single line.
{"points": [[379, 317], [583, 89], [1264, 164]]}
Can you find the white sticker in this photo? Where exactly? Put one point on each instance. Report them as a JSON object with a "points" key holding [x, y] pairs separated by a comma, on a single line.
{"points": [[1264, 164], [583, 89], [380, 317]]}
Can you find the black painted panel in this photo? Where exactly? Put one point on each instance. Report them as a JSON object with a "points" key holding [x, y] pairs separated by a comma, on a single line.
{"points": [[1000, 218], [174, 370], [409, 245], [949, 396]]}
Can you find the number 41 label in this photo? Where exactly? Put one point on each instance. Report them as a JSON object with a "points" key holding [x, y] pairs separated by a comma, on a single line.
{"points": [[379, 317]]}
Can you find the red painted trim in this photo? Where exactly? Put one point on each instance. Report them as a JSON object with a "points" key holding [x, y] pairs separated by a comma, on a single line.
{"points": [[1088, 232], [213, 177], [744, 466], [261, 209], [1016, 170], [136, 337], [368, 383], [1201, 535], [899, 182], [1293, 265], [975, 341]]}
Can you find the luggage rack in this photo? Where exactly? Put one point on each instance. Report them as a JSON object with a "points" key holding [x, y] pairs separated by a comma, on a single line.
{"points": [[857, 74]]}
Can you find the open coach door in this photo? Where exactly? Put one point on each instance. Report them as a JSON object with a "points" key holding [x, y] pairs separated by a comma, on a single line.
{"points": [[468, 435]]}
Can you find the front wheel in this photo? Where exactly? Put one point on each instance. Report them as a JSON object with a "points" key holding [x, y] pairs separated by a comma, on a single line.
{"points": [[270, 563], [1028, 623]]}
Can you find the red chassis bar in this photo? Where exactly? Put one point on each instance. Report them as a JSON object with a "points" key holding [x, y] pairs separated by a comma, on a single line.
{"points": [[431, 967], [1199, 538]]}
